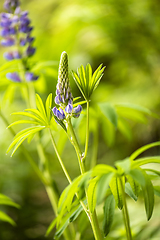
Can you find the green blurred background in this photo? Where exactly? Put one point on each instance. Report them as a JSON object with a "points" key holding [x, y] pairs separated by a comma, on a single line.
{"points": [[124, 36]]}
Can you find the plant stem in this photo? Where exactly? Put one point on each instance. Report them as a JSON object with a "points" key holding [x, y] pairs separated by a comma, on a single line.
{"points": [[59, 157], [87, 133], [76, 146], [95, 148], [125, 213], [92, 216]]}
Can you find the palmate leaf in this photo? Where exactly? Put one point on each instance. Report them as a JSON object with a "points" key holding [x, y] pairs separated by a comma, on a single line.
{"points": [[86, 81], [40, 116]]}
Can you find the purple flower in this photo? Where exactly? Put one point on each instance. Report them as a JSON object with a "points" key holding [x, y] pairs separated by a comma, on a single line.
{"points": [[58, 113], [11, 5], [69, 108], [31, 77], [23, 41], [5, 32], [9, 56], [55, 111], [57, 100], [77, 109], [7, 42], [5, 22], [30, 51], [13, 76], [16, 55]]}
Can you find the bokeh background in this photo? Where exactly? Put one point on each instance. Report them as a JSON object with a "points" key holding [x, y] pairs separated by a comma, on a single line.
{"points": [[124, 36]]}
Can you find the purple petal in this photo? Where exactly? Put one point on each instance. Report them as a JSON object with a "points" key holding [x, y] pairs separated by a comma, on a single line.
{"points": [[69, 108], [31, 77], [7, 42], [57, 100], [55, 111], [30, 51], [13, 76], [60, 115], [77, 109], [9, 56]]}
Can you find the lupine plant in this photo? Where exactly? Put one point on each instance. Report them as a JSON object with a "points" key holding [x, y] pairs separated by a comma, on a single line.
{"points": [[103, 184], [99, 186]]}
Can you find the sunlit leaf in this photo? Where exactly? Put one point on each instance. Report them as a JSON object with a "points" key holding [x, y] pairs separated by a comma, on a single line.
{"points": [[4, 217], [87, 82], [92, 194], [142, 149]]}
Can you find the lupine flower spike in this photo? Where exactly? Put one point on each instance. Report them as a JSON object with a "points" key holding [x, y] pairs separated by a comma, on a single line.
{"points": [[64, 96], [16, 32]]}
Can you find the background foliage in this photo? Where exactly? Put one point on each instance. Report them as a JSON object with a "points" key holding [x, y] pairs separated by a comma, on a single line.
{"points": [[124, 36]]}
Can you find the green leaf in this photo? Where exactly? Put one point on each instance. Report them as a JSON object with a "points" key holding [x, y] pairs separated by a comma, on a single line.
{"points": [[103, 186], [20, 137], [4, 200], [40, 107], [38, 119], [109, 111], [87, 82], [124, 128], [69, 217], [130, 192], [144, 148], [148, 192], [143, 161], [116, 190], [152, 170], [109, 207], [157, 190], [4, 217], [92, 194], [134, 185], [48, 106], [51, 226], [147, 188], [133, 112], [102, 169], [23, 121]]}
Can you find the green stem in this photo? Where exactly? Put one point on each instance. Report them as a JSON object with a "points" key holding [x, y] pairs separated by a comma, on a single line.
{"points": [[125, 213], [92, 216], [87, 133], [59, 157], [75, 143], [95, 148], [95, 226]]}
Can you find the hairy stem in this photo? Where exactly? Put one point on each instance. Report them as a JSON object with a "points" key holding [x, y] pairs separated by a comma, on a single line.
{"points": [[126, 214]]}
